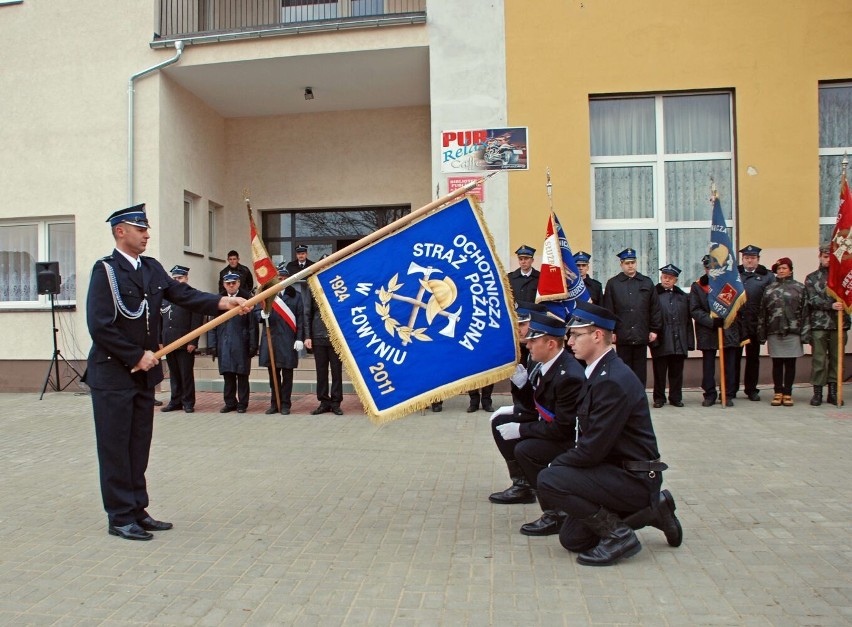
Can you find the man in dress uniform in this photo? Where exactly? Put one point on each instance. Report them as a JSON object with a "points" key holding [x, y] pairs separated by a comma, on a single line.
{"points": [[301, 261], [593, 287], [524, 280], [544, 425], [325, 359], [246, 275], [234, 342], [669, 351], [631, 296], [614, 468], [755, 278], [177, 322], [122, 311]]}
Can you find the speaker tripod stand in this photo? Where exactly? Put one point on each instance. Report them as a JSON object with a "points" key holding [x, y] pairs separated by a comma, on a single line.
{"points": [[54, 362]]}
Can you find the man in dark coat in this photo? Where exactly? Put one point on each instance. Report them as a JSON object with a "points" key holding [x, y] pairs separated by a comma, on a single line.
{"points": [[707, 339], [325, 359], [593, 287], [552, 388], [177, 322], [674, 342], [246, 275], [614, 468], [122, 312], [755, 278], [286, 323], [524, 280], [631, 296], [234, 342]]}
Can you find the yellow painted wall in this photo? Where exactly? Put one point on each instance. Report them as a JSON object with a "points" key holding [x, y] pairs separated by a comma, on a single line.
{"points": [[772, 53]]}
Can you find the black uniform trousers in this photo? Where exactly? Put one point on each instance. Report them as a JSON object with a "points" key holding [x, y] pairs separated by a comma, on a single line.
{"points": [[326, 357], [124, 424], [182, 378], [284, 377], [483, 394], [671, 367], [636, 358], [582, 491], [708, 378], [236, 387], [752, 367]]}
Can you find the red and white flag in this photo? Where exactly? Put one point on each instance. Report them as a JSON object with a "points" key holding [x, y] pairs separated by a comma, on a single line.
{"points": [[284, 311], [264, 269], [840, 262]]}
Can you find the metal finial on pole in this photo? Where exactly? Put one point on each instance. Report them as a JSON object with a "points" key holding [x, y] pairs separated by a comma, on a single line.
{"points": [[713, 193], [549, 189], [844, 163]]}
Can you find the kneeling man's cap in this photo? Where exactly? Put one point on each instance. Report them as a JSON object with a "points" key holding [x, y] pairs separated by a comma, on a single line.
{"points": [[587, 315], [542, 324], [525, 308], [134, 216]]}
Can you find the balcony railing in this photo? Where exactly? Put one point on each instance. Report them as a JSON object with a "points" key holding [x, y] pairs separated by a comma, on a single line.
{"points": [[229, 19]]}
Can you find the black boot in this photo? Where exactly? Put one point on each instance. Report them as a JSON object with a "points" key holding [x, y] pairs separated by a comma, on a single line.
{"points": [[816, 399], [662, 517], [617, 540], [520, 490], [549, 524], [831, 399]]}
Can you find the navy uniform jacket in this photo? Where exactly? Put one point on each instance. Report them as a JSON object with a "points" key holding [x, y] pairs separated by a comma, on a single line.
{"points": [[246, 280], [177, 322], [677, 336], [524, 287], [595, 290], [235, 342], [118, 343], [634, 301], [558, 391], [754, 284], [614, 419], [283, 336]]}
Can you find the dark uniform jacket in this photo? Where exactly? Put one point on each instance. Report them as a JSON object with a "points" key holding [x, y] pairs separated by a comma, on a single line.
{"points": [[705, 330], [614, 419], [235, 342], [524, 287], [558, 391], [246, 280], [177, 322], [634, 301], [677, 336], [283, 336], [293, 266], [822, 316], [119, 342], [754, 284], [316, 329], [595, 290], [784, 310]]}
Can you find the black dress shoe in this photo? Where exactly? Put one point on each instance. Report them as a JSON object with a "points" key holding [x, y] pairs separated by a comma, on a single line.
{"points": [[271, 410], [158, 403], [487, 406], [149, 524], [729, 402], [472, 408], [657, 404], [322, 409], [519, 492], [170, 407], [708, 402], [337, 411], [549, 524], [285, 411], [666, 521], [753, 396], [241, 410], [436, 407], [226, 409], [676, 403], [189, 410], [130, 531]]}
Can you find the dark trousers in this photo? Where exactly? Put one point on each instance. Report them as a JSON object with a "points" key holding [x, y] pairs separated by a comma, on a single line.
{"points": [[670, 366], [326, 357], [783, 374], [581, 492], [752, 367], [507, 447], [708, 379], [636, 358], [182, 378], [284, 376], [483, 394], [124, 424], [534, 455], [236, 385]]}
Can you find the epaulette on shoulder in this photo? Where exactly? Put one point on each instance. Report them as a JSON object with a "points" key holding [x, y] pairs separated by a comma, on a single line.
{"points": [[107, 258]]}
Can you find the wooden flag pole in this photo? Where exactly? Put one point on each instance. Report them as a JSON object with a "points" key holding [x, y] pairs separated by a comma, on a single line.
{"points": [[721, 336], [272, 364], [322, 264]]}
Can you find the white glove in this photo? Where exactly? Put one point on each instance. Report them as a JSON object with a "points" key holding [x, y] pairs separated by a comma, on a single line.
{"points": [[264, 315], [299, 345], [505, 410], [520, 377], [510, 430]]}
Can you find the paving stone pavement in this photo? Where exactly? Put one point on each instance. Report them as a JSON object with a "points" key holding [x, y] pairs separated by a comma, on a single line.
{"points": [[327, 520]]}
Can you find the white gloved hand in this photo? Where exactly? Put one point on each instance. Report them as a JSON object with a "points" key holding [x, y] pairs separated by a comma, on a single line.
{"points": [[504, 410], [520, 376], [299, 345], [264, 315], [510, 430]]}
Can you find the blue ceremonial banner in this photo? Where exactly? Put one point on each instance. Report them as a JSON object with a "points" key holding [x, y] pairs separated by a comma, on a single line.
{"points": [[422, 314], [727, 293]]}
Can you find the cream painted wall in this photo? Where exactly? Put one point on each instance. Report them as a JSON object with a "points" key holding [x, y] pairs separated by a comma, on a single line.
{"points": [[773, 54]]}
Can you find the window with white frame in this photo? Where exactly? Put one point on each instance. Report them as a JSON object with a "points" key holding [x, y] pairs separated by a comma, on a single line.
{"points": [[213, 213], [190, 221], [652, 161], [835, 140], [25, 242]]}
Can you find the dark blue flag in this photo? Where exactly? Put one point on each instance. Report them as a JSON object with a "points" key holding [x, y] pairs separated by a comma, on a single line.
{"points": [[727, 293], [422, 314]]}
